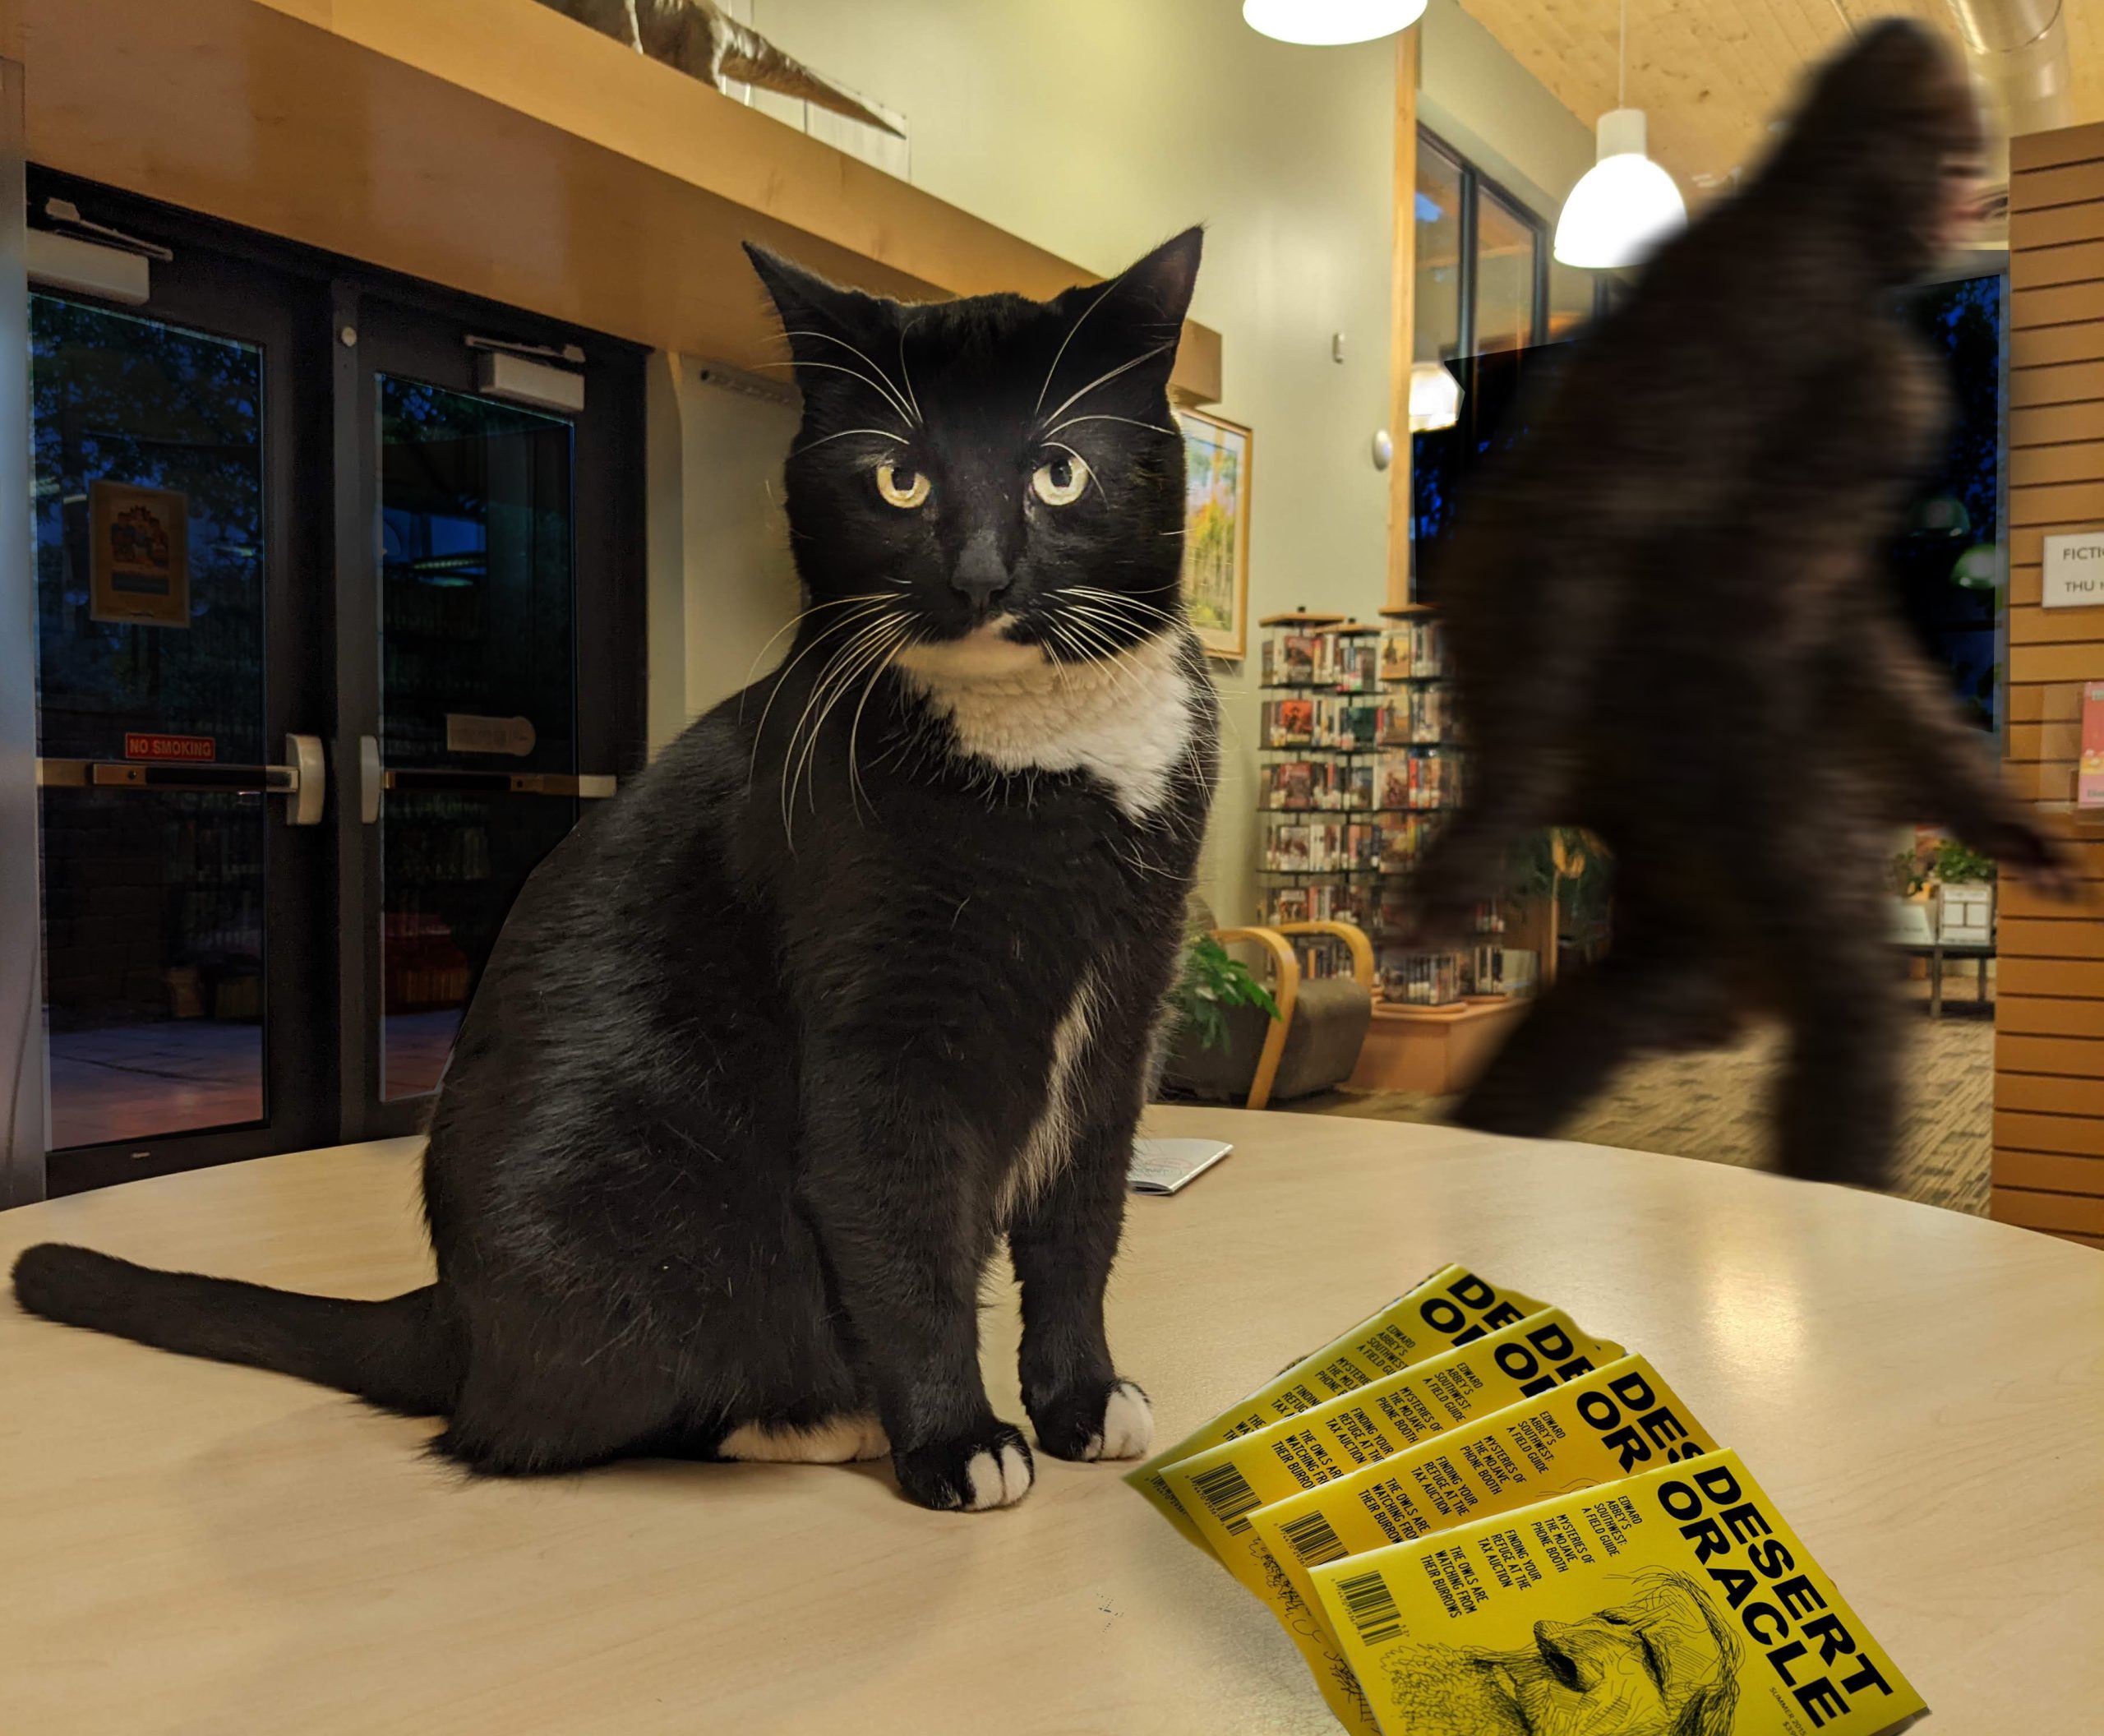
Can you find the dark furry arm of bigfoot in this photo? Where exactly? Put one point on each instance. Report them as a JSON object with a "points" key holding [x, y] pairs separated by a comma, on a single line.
{"points": [[1943, 770]]}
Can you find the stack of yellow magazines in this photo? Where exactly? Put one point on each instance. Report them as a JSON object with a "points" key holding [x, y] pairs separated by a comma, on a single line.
{"points": [[1474, 1518]]}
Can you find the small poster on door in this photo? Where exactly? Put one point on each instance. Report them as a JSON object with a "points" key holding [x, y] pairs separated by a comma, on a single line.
{"points": [[138, 555], [2089, 778]]}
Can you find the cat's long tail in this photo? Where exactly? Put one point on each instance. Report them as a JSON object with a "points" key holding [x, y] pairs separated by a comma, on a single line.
{"points": [[395, 1353]]}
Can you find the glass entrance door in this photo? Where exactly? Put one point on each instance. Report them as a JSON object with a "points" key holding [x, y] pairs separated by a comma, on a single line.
{"points": [[478, 695], [182, 781], [498, 531], [335, 644]]}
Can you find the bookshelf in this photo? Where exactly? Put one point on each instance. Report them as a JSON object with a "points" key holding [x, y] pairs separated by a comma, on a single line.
{"points": [[1359, 762]]}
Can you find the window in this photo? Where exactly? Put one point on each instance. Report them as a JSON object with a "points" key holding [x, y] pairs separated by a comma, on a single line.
{"points": [[1485, 281], [1441, 193], [1508, 256]]}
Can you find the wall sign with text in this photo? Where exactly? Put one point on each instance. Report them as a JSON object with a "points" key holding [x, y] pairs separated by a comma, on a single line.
{"points": [[2074, 571]]}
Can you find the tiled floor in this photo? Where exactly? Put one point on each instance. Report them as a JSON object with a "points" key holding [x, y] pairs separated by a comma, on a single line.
{"points": [[417, 1045], [142, 1081], [133, 1082], [1715, 1105]]}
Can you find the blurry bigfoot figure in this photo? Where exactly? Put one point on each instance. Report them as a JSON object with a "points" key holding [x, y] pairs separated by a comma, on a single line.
{"points": [[1670, 626]]}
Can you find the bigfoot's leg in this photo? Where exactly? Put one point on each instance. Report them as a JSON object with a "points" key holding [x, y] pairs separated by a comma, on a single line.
{"points": [[1062, 1242], [1654, 990], [1837, 1112], [1565, 1049]]}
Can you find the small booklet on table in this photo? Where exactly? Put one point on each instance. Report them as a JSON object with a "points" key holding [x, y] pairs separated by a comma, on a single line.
{"points": [[1167, 1165]]}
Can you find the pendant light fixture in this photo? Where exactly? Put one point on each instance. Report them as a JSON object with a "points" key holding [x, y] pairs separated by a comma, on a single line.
{"points": [[1625, 204], [1435, 398], [1326, 24]]}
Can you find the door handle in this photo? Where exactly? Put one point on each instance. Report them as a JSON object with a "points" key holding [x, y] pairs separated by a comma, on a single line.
{"points": [[368, 781], [302, 780], [438, 779], [310, 780], [430, 780]]}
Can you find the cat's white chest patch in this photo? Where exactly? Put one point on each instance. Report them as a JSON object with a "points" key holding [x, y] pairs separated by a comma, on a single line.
{"points": [[1126, 721]]}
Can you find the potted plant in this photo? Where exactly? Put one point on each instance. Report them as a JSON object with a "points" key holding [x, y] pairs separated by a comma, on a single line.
{"points": [[1218, 1012], [1965, 895]]}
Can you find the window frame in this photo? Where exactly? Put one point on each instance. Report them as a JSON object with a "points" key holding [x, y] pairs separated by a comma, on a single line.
{"points": [[1474, 184]]}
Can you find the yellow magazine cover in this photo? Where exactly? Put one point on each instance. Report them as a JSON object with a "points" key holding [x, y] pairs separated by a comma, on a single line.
{"points": [[1454, 1306], [1221, 1487], [1615, 1422], [1675, 1601]]}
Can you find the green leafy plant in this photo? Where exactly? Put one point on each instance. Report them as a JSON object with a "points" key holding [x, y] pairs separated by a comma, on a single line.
{"points": [[1214, 979], [1569, 864], [1957, 864], [1908, 874]]}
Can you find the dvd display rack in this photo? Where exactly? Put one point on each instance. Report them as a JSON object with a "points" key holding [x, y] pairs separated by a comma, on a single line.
{"points": [[1359, 760]]}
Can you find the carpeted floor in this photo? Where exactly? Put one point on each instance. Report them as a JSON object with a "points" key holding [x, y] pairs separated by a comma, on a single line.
{"points": [[1715, 1106]]}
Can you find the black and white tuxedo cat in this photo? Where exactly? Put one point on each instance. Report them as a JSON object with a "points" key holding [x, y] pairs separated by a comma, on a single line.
{"points": [[858, 977]]}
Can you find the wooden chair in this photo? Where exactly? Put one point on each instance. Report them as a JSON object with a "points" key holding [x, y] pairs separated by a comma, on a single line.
{"points": [[1313, 1044]]}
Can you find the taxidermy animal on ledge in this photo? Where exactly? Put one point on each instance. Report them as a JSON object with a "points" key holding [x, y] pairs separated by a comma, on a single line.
{"points": [[701, 39]]}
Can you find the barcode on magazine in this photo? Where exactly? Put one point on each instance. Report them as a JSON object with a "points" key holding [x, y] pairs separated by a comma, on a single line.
{"points": [[1227, 1492], [1371, 1606], [1314, 1540]]}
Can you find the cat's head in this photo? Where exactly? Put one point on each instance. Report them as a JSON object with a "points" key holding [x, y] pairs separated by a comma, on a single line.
{"points": [[990, 484]]}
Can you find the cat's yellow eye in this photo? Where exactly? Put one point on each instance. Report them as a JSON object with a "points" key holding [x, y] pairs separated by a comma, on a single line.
{"points": [[1059, 481], [900, 484]]}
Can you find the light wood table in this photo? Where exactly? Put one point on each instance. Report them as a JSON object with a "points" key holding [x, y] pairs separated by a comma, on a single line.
{"points": [[194, 1548]]}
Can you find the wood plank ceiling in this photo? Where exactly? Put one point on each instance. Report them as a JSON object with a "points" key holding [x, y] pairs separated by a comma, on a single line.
{"points": [[1715, 74]]}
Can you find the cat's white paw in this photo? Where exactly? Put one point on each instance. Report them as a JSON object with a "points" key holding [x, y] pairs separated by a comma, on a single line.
{"points": [[1127, 1425], [997, 1480]]}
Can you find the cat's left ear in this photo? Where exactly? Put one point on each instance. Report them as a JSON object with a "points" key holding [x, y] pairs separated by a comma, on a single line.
{"points": [[817, 316], [1150, 296]]}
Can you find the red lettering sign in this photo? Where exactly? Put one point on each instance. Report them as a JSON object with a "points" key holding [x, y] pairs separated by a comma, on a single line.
{"points": [[140, 745]]}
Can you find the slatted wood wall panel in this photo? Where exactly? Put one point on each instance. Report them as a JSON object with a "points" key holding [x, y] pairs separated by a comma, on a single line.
{"points": [[2049, 1037]]}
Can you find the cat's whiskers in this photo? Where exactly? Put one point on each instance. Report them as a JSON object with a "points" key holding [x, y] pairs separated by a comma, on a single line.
{"points": [[797, 619], [856, 787], [906, 373], [873, 665], [842, 434], [1108, 375], [1122, 674], [888, 386], [832, 685], [1152, 427], [1121, 599], [1131, 675], [1052, 372], [874, 607], [866, 630], [1088, 469], [1106, 618], [868, 652]]}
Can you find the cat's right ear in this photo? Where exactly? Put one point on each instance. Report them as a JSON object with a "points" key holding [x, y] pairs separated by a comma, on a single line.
{"points": [[817, 316]]}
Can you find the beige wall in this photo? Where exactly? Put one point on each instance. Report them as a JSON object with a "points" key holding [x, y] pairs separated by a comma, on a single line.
{"points": [[1096, 129], [1489, 108]]}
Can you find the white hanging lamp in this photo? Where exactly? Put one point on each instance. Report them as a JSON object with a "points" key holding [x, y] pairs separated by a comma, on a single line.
{"points": [[1625, 204], [1435, 398], [1326, 24]]}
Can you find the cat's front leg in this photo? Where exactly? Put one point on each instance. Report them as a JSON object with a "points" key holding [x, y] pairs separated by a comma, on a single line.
{"points": [[1063, 1239], [882, 1170]]}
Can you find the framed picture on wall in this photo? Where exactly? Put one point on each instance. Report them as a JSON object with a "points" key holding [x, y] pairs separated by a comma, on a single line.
{"points": [[1216, 456]]}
